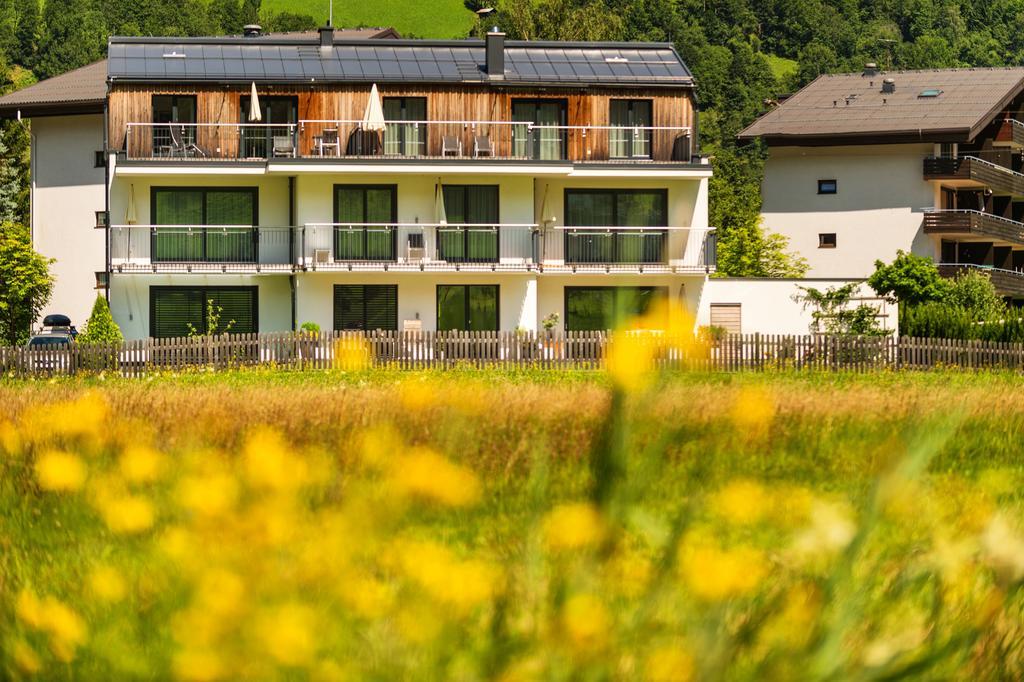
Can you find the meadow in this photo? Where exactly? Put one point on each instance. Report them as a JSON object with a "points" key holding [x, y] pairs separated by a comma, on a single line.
{"points": [[471, 525], [411, 18]]}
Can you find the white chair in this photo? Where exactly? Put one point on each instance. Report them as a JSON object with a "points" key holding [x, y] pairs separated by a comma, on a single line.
{"points": [[451, 146]]}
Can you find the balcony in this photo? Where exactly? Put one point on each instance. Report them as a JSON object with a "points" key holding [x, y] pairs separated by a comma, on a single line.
{"points": [[1006, 282], [201, 249], [652, 250], [972, 171], [320, 140], [963, 222], [1010, 133]]}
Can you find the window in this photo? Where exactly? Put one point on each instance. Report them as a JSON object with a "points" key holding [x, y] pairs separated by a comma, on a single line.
{"points": [[930, 92], [471, 235], [728, 316], [101, 220], [365, 306], [101, 279], [100, 159], [546, 142], [630, 134], [173, 109], [827, 240], [405, 139], [615, 208], [173, 309], [603, 308], [180, 210], [827, 186], [947, 150], [364, 217], [472, 307], [273, 134]]}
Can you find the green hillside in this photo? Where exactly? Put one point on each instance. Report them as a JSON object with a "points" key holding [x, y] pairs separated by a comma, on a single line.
{"points": [[419, 18]]}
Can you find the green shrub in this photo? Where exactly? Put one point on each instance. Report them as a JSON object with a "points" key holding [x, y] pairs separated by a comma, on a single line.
{"points": [[100, 327], [310, 328]]}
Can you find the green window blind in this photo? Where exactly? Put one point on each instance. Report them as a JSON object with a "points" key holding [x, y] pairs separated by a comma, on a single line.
{"points": [[354, 208], [365, 307], [629, 136], [615, 208], [471, 307], [173, 309], [184, 210], [475, 205], [603, 308]]}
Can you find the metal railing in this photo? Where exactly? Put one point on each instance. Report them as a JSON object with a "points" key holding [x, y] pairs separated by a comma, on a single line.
{"points": [[672, 248], [152, 248], [498, 140]]}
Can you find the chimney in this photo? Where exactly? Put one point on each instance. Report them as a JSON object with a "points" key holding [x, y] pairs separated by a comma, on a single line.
{"points": [[889, 86], [326, 36], [870, 69], [495, 54], [252, 30]]}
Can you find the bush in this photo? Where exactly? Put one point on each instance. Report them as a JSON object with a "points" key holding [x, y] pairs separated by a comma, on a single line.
{"points": [[943, 321], [310, 328], [100, 327]]}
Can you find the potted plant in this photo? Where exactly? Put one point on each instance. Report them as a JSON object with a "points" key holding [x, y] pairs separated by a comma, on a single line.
{"points": [[549, 323]]}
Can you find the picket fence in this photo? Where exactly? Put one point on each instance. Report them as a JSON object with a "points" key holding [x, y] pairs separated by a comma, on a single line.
{"points": [[571, 350]]}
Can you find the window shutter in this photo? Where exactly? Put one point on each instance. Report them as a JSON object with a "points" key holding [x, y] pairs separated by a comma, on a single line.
{"points": [[381, 305], [348, 307], [239, 308], [172, 309]]}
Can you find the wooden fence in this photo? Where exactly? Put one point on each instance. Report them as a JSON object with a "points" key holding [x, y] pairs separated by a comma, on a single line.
{"points": [[572, 350]]}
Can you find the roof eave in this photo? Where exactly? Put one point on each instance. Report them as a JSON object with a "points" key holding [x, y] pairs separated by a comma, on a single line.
{"points": [[39, 110], [849, 138]]}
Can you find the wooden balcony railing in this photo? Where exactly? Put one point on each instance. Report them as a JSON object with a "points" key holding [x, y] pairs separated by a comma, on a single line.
{"points": [[477, 140], [1006, 282], [1011, 132], [1000, 179], [970, 222]]}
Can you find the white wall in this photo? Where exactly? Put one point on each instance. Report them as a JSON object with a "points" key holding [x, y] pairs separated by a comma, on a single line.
{"points": [[273, 195], [67, 190], [876, 211], [767, 305], [129, 298]]}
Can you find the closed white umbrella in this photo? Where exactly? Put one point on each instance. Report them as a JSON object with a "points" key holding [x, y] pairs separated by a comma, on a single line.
{"points": [[255, 115], [130, 217], [545, 211], [373, 119], [440, 216]]}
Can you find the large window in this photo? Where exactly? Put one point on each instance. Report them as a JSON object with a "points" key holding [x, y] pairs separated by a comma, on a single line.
{"points": [[405, 139], [467, 307], [197, 224], [177, 311], [365, 306], [630, 134], [594, 211], [602, 308], [544, 142], [364, 217], [273, 135], [169, 109], [471, 235]]}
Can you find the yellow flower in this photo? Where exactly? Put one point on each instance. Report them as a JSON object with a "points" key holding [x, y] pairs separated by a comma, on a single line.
{"points": [[10, 439], [60, 471], [714, 574], [107, 584], [463, 585], [67, 630], [290, 634], [587, 623], [742, 502], [830, 531], [29, 609], [351, 353], [1004, 548], [426, 475], [269, 464], [25, 658], [140, 464], [208, 495], [573, 526], [127, 513], [753, 411], [415, 395], [630, 360], [198, 665], [669, 663]]}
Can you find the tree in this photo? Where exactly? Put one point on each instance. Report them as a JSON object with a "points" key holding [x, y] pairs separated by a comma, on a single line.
{"points": [[288, 22], [10, 187], [226, 16], [75, 35], [909, 279], [100, 327], [833, 313], [250, 12], [25, 283], [973, 292], [27, 33]]}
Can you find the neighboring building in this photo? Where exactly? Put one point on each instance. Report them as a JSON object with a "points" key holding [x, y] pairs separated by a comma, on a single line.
{"points": [[494, 183], [862, 165]]}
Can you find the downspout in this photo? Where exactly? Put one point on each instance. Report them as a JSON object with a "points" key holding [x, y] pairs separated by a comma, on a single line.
{"points": [[291, 247], [106, 194]]}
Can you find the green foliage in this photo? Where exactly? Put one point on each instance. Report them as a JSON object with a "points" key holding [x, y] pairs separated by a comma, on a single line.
{"points": [[25, 283], [75, 35], [100, 327], [310, 327], [833, 313], [909, 279], [943, 321], [284, 22], [973, 292], [213, 326]]}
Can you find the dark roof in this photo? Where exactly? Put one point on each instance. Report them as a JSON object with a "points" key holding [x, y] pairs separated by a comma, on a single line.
{"points": [[847, 108], [288, 60], [81, 91]]}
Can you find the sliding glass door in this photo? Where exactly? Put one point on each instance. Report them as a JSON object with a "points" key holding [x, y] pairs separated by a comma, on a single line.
{"points": [[471, 235], [196, 225], [604, 308], [405, 139], [467, 307], [533, 134], [603, 217], [364, 217], [273, 135], [629, 136]]}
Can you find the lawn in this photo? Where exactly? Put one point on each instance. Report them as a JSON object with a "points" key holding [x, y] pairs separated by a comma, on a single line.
{"points": [[512, 525], [411, 18]]}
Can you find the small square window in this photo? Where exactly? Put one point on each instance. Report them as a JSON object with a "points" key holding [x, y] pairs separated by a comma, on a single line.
{"points": [[100, 161], [101, 220], [827, 240], [101, 280], [827, 186]]}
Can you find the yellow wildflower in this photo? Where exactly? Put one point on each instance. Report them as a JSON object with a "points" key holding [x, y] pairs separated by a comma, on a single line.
{"points": [[60, 471], [753, 411], [830, 531], [269, 464], [106, 584], [198, 665], [462, 585], [415, 395], [141, 464], [630, 361], [714, 573], [25, 658], [67, 630], [742, 502], [379, 445], [669, 663], [10, 439], [587, 623], [290, 634], [1004, 548], [127, 513], [367, 596], [208, 495], [84, 417], [427, 475], [351, 353], [29, 609], [573, 526]]}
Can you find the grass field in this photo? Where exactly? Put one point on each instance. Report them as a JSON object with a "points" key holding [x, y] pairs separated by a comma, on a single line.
{"points": [[412, 18], [473, 525]]}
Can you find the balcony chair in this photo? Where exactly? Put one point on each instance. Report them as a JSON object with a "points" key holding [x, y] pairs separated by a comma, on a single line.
{"points": [[179, 145], [283, 146], [451, 146], [482, 146], [328, 140]]}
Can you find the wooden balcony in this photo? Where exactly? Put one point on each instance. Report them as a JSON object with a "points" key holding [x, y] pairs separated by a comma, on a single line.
{"points": [[971, 171], [965, 223], [1006, 282], [1010, 133]]}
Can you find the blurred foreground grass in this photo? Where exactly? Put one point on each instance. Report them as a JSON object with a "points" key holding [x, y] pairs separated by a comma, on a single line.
{"points": [[480, 525]]}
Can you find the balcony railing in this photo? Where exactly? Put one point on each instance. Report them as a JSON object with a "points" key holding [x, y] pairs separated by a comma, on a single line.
{"points": [[649, 249], [1006, 282], [1011, 132], [200, 248], [980, 172], [483, 140], [970, 222]]}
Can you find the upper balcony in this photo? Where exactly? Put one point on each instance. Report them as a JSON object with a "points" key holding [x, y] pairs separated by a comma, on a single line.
{"points": [[405, 140], [970, 170], [971, 223]]}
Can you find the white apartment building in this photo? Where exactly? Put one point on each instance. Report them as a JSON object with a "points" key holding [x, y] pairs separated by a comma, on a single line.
{"points": [[863, 165], [365, 183]]}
